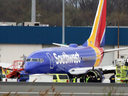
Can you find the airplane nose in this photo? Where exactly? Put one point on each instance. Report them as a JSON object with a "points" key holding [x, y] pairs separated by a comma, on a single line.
{"points": [[30, 67], [26, 67]]}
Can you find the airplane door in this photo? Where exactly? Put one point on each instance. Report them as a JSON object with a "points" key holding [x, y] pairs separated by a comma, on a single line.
{"points": [[51, 60]]}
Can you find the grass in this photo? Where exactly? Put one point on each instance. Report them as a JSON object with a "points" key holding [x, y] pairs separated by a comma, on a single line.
{"points": [[112, 91], [41, 93]]}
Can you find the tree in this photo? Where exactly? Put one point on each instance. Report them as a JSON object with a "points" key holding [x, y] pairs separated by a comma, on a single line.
{"points": [[77, 12]]}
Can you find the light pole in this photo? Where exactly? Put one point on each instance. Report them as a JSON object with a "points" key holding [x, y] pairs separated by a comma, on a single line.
{"points": [[63, 23], [118, 29], [33, 11]]}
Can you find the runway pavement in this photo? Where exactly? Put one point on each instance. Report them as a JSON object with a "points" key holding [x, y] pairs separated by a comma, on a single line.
{"points": [[65, 89]]}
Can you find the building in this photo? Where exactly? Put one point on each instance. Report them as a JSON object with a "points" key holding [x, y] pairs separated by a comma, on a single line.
{"points": [[18, 40]]}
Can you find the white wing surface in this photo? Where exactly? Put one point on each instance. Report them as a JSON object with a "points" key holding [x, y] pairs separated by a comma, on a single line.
{"points": [[117, 49]]}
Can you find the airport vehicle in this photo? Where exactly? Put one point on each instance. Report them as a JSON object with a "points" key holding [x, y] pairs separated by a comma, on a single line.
{"points": [[4, 79], [12, 71], [60, 78], [74, 59], [16, 68], [24, 77], [40, 78], [2, 76], [121, 70], [5, 68]]}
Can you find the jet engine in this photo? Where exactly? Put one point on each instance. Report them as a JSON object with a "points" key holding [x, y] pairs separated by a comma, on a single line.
{"points": [[95, 74]]}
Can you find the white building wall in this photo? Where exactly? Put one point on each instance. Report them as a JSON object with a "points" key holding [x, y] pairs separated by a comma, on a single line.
{"points": [[108, 57], [111, 56], [11, 52]]}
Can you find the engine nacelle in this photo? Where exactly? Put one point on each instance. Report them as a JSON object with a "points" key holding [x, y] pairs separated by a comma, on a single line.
{"points": [[97, 74]]}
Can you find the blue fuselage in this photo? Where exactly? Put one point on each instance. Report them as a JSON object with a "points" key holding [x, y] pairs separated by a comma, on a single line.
{"points": [[60, 60]]}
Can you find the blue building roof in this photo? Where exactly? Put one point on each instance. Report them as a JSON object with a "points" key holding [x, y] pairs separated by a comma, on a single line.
{"points": [[48, 35]]}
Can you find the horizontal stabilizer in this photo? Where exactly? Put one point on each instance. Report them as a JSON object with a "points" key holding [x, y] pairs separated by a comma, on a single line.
{"points": [[61, 45], [117, 49]]}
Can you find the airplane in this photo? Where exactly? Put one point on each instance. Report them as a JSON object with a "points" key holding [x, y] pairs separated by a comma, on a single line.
{"points": [[73, 59]]}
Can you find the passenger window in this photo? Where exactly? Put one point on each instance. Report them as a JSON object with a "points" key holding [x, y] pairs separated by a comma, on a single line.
{"points": [[54, 77], [34, 60]]}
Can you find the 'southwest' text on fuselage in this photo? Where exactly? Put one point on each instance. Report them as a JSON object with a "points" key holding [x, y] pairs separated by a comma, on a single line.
{"points": [[67, 58]]}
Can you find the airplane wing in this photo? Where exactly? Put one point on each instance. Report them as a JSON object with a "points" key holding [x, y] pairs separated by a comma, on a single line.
{"points": [[117, 49], [107, 69], [6, 65], [61, 45], [76, 71]]}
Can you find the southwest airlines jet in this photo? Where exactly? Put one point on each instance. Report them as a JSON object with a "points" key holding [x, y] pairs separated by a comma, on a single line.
{"points": [[73, 59]]}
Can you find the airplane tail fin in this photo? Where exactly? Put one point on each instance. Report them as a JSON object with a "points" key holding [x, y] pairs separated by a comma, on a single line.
{"points": [[97, 37]]}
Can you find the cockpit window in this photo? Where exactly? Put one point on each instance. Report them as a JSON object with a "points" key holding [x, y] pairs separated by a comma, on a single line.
{"points": [[35, 60], [28, 60], [41, 60]]}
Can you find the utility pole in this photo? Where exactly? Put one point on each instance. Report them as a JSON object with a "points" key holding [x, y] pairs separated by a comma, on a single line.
{"points": [[33, 11], [63, 23], [118, 28]]}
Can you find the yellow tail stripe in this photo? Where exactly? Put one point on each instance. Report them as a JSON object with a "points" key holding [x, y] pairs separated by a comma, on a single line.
{"points": [[91, 40], [98, 56]]}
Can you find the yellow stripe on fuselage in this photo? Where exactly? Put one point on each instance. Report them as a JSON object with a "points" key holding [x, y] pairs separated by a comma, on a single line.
{"points": [[91, 40], [98, 56]]}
